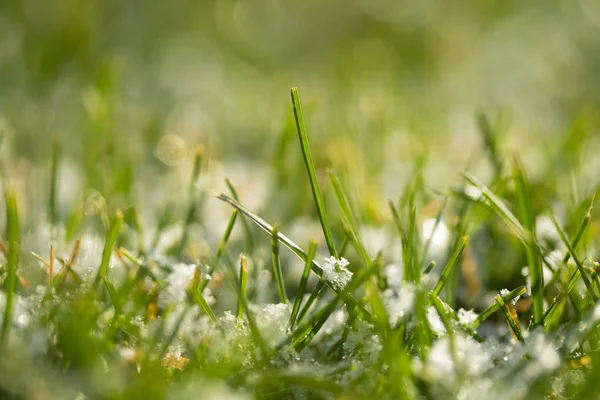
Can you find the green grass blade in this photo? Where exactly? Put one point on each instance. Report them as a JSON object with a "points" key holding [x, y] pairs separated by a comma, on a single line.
{"points": [[532, 250], [312, 250], [109, 244], [196, 297], [438, 220], [247, 231], [490, 141], [192, 201], [220, 249], [112, 292], [314, 295], [277, 265], [12, 237], [569, 246], [349, 218], [310, 168], [243, 286], [452, 262], [514, 325], [500, 208]]}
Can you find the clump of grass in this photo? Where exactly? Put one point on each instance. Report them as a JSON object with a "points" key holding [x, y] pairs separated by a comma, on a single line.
{"points": [[155, 322]]}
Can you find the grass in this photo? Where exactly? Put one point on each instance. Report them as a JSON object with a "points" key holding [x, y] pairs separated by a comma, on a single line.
{"points": [[133, 313]]}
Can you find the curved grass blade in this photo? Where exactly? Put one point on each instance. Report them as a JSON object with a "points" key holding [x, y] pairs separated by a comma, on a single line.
{"points": [[310, 168]]}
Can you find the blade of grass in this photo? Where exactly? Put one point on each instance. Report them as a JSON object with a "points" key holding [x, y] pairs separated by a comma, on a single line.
{"points": [[12, 241], [310, 168], [510, 296], [490, 141], [192, 203], [196, 297], [277, 265], [569, 246], [500, 208], [514, 325], [438, 220], [351, 228], [244, 308], [109, 244], [311, 300], [220, 249], [247, 231], [312, 250], [243, 286], [452, 262], [534, 259]]}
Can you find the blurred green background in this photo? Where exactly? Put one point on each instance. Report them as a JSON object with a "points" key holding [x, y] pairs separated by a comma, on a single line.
{"points": [[131, 88]]}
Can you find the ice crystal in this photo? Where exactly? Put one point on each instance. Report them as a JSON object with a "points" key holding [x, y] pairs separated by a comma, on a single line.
{"points": [[335, 271], [176, 281], [466, 317]]}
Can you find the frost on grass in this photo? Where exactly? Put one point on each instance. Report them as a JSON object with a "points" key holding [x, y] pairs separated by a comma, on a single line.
{"points": [[335, 271], [435, 322], [470, 359], [399, 304], [177, 282], [466, 317], [362, 344]]}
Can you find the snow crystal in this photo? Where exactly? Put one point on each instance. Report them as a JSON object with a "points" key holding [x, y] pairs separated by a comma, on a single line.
{"points": [[399, 304], [504, 292], [176, 284], [471, 358], [435, 322], [544, 352], [335, 271], [467, 318]]}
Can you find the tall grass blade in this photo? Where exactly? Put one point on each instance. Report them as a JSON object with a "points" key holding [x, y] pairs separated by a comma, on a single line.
{"points": [[534, 258], [310, 168]]}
